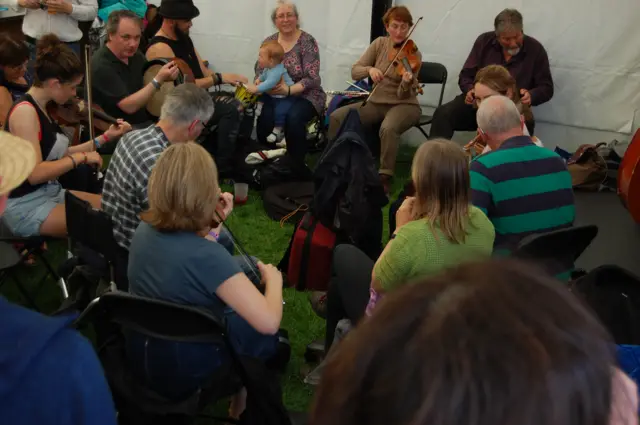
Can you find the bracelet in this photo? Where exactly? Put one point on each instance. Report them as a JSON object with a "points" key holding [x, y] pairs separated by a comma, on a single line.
{"points": [[214, 234], [73, 161], [95, 142], [289, 92], [219, 77], [213, 79], [105, 137], [155, 84]]}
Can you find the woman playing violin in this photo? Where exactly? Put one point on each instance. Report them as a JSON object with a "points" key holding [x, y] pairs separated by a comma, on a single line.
{"points": [[37, 206], [394, 104]]}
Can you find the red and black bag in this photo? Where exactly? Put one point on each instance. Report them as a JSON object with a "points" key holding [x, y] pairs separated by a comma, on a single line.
{"points": [[310, 256]]}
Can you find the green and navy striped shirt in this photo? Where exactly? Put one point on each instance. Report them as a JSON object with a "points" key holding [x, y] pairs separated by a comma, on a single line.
{"points": [[523, 189]]}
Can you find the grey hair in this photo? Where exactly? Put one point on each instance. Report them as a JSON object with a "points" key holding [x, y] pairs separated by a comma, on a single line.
{"points": [[281, 3], [113, 22], [497, 115], [508, 19], [186, 103]]}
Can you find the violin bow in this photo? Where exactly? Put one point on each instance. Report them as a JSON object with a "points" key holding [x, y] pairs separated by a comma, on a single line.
{"points": [[89, 94], [395, 58], [243, 253]]}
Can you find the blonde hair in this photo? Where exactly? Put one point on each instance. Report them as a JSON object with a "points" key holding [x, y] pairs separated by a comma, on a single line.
{"points": [[183, 189], [274, 49], [440, 174]]}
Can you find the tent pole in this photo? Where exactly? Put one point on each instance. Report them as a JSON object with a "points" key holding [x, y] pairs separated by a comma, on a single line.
{"points": [[379, 7]]}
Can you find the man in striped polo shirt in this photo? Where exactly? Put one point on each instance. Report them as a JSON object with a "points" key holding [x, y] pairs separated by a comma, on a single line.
{"points": [[521, 187]]}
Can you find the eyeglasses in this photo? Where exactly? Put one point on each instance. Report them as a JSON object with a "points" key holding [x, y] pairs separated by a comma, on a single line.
{"points": [[285, 15]]}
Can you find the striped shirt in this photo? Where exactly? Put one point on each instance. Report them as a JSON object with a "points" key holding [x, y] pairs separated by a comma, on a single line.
{"points": [[124, 195], [523, 189]]}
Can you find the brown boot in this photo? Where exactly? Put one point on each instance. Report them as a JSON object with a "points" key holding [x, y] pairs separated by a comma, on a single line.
{"points": [[386, 183]]}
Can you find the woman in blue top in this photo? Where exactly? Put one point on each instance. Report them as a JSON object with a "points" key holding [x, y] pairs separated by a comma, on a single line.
{"points": [[173, 258], [14, 78]]}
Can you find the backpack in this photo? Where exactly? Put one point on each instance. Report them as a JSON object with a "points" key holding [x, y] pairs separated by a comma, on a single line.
{"points": [[288, 201], [588, 168], [613, 294]]}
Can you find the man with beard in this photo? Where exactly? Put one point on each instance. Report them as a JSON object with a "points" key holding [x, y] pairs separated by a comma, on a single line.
{"points": [[524, 57], [117, 71], [173, 40]]}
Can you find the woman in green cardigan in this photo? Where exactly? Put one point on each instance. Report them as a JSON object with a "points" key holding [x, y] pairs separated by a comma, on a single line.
{"points": [[435, 229]]}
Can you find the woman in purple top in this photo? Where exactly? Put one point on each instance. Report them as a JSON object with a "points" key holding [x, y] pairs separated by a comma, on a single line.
{"points": [[302, 61]]}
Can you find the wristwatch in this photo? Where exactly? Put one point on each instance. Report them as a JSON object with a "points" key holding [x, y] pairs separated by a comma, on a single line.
{"points": [[156, 84]]}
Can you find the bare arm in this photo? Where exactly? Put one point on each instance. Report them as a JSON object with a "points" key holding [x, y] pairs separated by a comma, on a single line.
{"points": [[25, 124], [360, 69], [262, 312], [5, 104], [133, 103]]}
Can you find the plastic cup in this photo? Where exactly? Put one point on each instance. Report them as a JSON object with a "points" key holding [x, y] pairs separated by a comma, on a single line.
{"points": [[241, 193]]}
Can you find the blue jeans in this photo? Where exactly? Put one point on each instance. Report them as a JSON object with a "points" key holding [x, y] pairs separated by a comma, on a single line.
{"points": [[300, 113]]}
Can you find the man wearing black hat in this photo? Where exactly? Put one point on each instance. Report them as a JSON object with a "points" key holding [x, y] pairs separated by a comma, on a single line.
{"points": [[172, 40]]}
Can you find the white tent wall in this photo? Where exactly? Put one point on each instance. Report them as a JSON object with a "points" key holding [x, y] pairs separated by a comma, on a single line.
{"points": [[592, 47], [228, 34]]}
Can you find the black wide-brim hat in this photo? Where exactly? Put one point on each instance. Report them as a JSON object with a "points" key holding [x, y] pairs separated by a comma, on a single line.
{"points": [[178, 9]]}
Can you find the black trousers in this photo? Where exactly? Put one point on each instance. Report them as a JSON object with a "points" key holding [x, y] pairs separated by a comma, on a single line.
{"points": [[227, 116], [295, 128], [458, 116], [348, 293]]}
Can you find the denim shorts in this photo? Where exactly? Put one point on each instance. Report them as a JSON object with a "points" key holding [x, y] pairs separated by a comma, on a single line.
{"points": [[25, 215]]}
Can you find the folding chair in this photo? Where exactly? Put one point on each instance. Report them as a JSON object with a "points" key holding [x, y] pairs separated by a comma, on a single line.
{"points": [[11, 260], [557, 251], [90, 233], [171, 322], [431, 73]]}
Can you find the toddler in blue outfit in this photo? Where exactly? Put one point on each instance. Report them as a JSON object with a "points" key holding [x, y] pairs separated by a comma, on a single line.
{"points": [[270, 59]]}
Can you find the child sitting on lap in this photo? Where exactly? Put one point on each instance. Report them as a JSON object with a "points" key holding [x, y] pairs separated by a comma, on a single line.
{"points": [[270, 58]]}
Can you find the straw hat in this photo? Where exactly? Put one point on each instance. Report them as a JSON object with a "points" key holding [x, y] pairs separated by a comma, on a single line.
{"points": [[17, 160]]}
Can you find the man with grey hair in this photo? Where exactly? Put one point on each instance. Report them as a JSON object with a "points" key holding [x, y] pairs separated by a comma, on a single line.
{"points": [[117, 71], [521, 187], [507, 45], [184, 113]]}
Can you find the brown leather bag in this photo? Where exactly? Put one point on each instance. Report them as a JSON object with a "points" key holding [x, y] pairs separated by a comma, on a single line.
{"points": [[588, 168]]}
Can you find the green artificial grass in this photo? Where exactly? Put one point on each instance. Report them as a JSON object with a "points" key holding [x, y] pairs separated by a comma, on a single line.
{"points": [[261, 237]]}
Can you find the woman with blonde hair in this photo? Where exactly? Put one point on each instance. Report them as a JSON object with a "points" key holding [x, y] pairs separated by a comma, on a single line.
{"points": [[172, 259], [435, 229]]}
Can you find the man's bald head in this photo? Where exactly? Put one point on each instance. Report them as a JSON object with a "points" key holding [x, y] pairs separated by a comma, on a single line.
{"points": [[498, 115]]}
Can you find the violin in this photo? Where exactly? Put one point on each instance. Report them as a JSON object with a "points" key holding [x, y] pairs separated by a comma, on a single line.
{"points": [[76, 112], [408, 54], [405, 59], [475, 147]]}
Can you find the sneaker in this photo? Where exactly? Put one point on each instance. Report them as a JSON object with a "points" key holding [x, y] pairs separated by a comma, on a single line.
{"points": [[274, 136], [282, 143]]}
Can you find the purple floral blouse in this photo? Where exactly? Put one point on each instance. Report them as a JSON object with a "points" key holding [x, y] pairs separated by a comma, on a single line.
{"points": [[303, 65]]}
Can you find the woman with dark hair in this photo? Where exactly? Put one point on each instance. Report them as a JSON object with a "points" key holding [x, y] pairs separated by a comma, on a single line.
{"points": [[37, 206], [493, 343], [14, 78]]}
